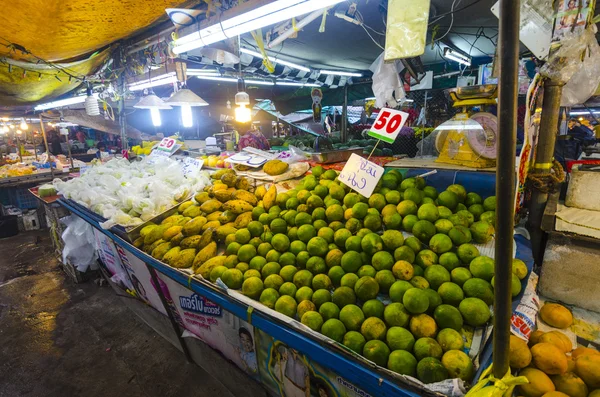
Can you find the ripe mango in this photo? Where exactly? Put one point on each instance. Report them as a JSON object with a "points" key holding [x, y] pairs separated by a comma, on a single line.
{"points": [[184, 259], [535, 337], [220, 173], [269, 197], [175, 241], [192, 211], [146, 229], [194, 226], [224, 231], [539, 383], [190, 242], [275, 167], [588, 369], [201, 198], [558, 339], [210, 206], [183, 220], [223, 195], [211, 225], [205, 269], [214, 216], [138, 242], [171, 255], [570, 384], [237, 206], [556, 315], [245, 196], [182, 207], [260, 192], [584, 351], [161, 250], [243, 184], [155, 234], [149, 248], [549, 358], [229, 179], [173, 219], [520, 356], [205, 254], [226, 217], [243, 220], [172, 232]]}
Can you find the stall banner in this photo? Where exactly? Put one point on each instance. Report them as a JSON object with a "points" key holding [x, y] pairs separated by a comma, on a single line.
{"points": [[110, 258], [141, 279], [288, 373], [217, 327]]}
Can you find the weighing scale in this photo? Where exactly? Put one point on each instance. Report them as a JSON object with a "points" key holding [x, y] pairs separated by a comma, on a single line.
{"points": [[469, 139]]}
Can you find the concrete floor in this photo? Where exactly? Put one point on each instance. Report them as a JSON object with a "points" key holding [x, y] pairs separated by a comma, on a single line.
{"points": [[58, 338]]}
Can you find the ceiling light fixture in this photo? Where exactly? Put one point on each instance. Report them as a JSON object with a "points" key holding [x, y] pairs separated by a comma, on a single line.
{"points": [[164, 79], [456, 56], [289, 83], [62, 102], [202, 72], [186, 98], [242, 99], [269, 14], [153, 103], [339, 73], [233, 80], [23, 125], [91, 103], [275, 60]]}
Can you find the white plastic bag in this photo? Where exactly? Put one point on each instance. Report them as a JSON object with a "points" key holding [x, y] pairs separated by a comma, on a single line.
{"points": [[387, 86], [79, 244], [585, 81]]}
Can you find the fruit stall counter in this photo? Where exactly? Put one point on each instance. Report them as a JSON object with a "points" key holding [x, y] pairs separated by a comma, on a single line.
{"points": [[430, 163]]}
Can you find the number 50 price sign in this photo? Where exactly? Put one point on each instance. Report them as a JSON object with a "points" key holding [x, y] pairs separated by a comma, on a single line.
{"points": [[388, 124]]}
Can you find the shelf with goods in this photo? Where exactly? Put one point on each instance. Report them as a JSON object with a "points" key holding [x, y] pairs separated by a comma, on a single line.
{"points": [[221, 203]]}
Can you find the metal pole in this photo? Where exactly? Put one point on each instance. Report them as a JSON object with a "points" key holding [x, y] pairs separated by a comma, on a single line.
{"points": [[19, 148], [344, 124], [46, 144], [69, 150], [505, 179], [122, 118], [543, 163]]}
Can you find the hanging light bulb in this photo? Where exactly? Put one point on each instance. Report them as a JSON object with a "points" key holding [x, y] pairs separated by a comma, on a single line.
{"points": [[186, 116], [5, 128], [91, 103], [242, 113], [12, 126], [19, 131], [155, 115], [23, 124]]}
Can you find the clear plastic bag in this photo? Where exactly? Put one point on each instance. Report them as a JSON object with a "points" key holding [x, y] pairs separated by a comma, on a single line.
{"points": [[406, 28], [293, 155], [79, 247], [585, 81], [387, 86]]}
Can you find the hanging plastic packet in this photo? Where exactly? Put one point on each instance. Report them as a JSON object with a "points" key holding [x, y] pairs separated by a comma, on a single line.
{"points": [[522, 322], [406, 28]]}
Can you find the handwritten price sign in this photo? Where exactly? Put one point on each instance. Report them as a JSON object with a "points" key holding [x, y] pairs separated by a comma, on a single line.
{"points": [[361, 175], [167, 145], [388, 124], [191, 165]]}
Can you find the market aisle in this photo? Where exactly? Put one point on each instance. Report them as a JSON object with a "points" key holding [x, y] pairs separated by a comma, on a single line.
{"points": [[58, 338]]}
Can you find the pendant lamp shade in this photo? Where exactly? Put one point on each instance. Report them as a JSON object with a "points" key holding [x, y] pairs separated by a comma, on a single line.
{"points": [[186, 97], [151, 101]]}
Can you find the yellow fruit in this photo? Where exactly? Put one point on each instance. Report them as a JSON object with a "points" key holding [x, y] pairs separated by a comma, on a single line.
{"points": [[224, 231], [183, 220], [237, 206], [243, 184], [190, 242], [275, 167], [223, 195], [161, 250], [205, 254], [588, 369], [171, 255], [558, 339], [594, 393], [269, 197], [210, 206], [246, 196], [184, 259], [183, 206], [211, 225], [205, 269], [149, 248], [555, 394], [214, 216], [260, 192], [208, 236], [172, 219], [584, 351], [192, 211], [138, 242], [229, 179], [556, 315], [194, 226], [227, 216], [155, 234], [535, 337], [171, 232], [175, 241], [570, 364], [243, 220], [570, 384], [539, 383], [520, 356], [220, 173], [549, 358], [201, 198], [146, 229]]}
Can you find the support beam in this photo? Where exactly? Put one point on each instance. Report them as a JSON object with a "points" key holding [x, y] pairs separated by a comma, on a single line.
{"points": [[344, 123], [508, 43]]}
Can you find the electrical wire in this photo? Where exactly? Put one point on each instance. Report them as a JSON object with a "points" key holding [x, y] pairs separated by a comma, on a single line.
{"points": [[451, 21], [439, 17], [373, 39]]}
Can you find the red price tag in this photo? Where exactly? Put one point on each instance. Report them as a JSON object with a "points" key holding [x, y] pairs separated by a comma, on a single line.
{"points": [[167, 144], [388, 124]]}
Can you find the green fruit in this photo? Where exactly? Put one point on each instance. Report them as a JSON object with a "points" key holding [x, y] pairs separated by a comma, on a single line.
{"points": [[288, 289], [419, 282], [424, 230], [302, 259], [460, 235], [460, 275], [396, 315], [303, 294], [354, 341], [335, 274], [393, 197], [428, 212], [321, 281], [321, 296], [246, 253], [427, 347], [447, 316], [450, 339], [449, 260], [404, 253], [303, 278], [343, 296], [252, 287], [286, 305], [306, 232], [392, 239], [467, 252], [270, 268], [519, 268], [287, 272], [434, 299], [489, 217], [329, 310], [426, 258], [326, 233], [216, 273], [373, 222], [353, 244], [359, 210], [403, 270], [398, 289], [366, 288], [312, 320], [334, 329], [409, 222], [418, 271], [377, 201], [436, 275], [305, 306], [445, 212], [440, 243], [269, 297], [297, 246], [448, 199], [443, 226], [377, 352], [489, 204], [476, 210], [263, 249], [458, 365], [257, 263], [482, 267], [482, 232], [402, 362], [366, 270], [233, 278], [423, 326], [413, 194], [415, 300], [407, 207], [371, 243], [351, 262], [431, 370], [385, 279], [373, 328], [243, 267], [373, 308], [515, 285], [460, 192], [274, 281], [451, 293], [475, 311], [382, 260], [399, 338], [352, 317], [479, 288], [316, 265]]}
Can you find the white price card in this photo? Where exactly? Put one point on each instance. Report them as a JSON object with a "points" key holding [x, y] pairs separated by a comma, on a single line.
{"points": [[191, 165], [167, 145], [388, 124], [361, 175]]}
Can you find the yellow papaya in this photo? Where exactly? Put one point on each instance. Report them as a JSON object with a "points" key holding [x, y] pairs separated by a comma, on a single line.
{"points": [[175, 241], [192, 211], [223, 195], [171, 255], [194, 226], [227, 216], [211, 225], [202, 197], [214, 216], [237, 206], [205, 254], [184, 259], [210, 206], [190, 242], [229, 179], [171, 232], [243, 184], [245, 196], [224, 231], [182, 207], [161, 250], [243, 220]]}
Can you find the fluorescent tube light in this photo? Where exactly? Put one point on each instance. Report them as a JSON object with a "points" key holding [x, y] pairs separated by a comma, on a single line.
{"points": [[232, 80], [62, 102], [456, 56], [275, 60], [155, 114], [296, 84], [164, 79], [202, 72], [269, 14], [186, 116], [338, 73]]}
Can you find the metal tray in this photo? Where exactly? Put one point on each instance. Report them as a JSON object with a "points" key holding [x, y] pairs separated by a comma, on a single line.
{"points": [[335, 156]]}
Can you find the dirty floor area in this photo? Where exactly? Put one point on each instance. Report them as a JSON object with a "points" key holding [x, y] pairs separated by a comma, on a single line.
{"points": [[58, 338]]}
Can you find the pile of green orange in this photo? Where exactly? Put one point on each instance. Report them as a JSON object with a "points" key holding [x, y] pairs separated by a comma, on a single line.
{"points": [[339, 263]]}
